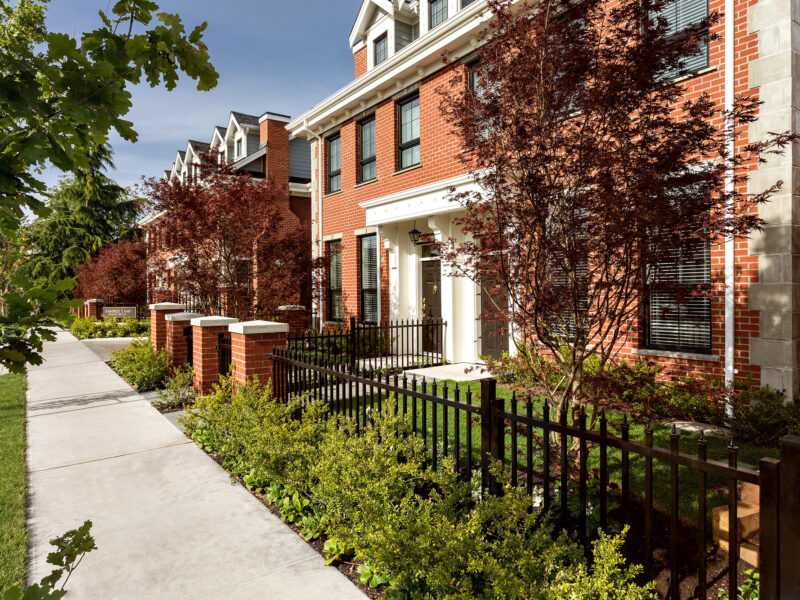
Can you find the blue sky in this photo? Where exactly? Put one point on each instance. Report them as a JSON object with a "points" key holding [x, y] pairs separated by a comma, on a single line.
{"points": [[272, 55]]}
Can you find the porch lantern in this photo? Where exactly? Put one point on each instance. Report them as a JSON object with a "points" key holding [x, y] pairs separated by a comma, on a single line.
{"points": [[414, 235]]}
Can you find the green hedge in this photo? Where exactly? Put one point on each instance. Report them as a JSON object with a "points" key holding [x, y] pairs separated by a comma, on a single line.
{"points": [[85, 329], [414, 532]]}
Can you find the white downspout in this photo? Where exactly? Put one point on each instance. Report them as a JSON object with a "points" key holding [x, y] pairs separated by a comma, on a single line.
{"points": [[730, 279], [319, 217]]}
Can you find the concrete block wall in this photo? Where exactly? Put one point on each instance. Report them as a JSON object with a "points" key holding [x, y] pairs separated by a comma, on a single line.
{"points": [[775, 71]]}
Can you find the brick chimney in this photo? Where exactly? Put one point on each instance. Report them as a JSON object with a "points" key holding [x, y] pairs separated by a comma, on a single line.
{"points": [[275, 137]]}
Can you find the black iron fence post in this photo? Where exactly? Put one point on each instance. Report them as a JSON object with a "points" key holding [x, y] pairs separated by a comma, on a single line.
{"points": [[353, 341], [491, 432], [789, 519], [769, 534]]}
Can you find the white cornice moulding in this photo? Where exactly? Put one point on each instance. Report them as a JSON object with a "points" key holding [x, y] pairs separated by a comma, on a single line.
{"points": [[274, 117], [430, 188], [254, 327]]}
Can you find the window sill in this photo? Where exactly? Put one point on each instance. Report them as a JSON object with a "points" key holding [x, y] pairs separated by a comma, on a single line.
{"points": [[698, 73], [333, 193], [407, 169], [363, 183], [678, 355]]}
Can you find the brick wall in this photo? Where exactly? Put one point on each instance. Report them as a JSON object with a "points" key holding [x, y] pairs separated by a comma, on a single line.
{"points": [[206, 331], [361, 62], [252, 344], [158, 323], [440, 151]]}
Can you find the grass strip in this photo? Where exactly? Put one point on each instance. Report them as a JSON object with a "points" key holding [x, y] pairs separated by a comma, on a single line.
{"points": [[13, 535]]}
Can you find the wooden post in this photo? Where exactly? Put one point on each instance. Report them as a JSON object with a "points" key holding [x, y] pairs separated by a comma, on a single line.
{"points": [[789, 519]]}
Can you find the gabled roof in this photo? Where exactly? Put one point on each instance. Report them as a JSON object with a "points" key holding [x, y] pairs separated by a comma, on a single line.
{"points": [[218, 133], [366, 15], [240, 121], [364, 18], [243, 119], [199, 146]]}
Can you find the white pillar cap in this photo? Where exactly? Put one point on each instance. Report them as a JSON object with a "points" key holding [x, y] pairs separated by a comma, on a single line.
{"points": [[213, 321], [167, 306], [253, 327], [184, 316]]}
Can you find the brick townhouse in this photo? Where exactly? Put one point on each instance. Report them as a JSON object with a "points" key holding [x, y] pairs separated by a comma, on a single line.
{"points": [[383, 160], [260, 147]]}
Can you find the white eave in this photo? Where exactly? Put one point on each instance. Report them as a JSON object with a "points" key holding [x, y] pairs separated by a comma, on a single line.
{"points": [[147, 219], [410, 64]]}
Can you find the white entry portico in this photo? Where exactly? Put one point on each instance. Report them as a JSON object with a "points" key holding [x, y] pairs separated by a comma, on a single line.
{"points": [[413, 283]]}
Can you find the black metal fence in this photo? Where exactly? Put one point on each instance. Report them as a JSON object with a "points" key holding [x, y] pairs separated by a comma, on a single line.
{"points": [[551, 455], [224, 353], [188, 336], [391, 345]]}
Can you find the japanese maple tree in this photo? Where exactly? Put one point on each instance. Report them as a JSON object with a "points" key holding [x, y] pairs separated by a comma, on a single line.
{"points": [[595, 174], [117, 275], [226, 237]]}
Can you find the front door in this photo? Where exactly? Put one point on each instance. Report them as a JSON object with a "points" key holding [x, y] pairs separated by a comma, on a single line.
{"points": [[494, 335], [432, 305]]}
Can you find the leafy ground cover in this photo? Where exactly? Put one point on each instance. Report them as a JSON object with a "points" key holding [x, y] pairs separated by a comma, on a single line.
{"points": [[13, 536], [85, 329], [413, 531]]}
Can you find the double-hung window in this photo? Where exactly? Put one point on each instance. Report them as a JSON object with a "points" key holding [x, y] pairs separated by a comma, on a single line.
{"points": [[438, 12], [334, 252], [677, 313], [408, 125], [368, 278], [681, 14], [381, 48], [239, 148], [367, 162], [334, 164]]}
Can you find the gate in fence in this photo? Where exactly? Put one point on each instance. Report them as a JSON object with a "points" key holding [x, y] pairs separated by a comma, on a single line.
{"points": [[188, 336], [224, 353], [386, 346], [553, 456]]}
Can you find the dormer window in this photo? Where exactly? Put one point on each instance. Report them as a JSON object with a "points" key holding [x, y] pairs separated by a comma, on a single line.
{"points": [[381, 49], [239, 148], [438, 12]]}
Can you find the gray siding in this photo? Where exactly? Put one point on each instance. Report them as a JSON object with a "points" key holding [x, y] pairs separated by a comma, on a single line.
{"points": [[300, 158], [403, 35]]}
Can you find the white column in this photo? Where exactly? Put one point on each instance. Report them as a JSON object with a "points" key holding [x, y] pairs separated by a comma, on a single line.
{"points": [[441, 228]]}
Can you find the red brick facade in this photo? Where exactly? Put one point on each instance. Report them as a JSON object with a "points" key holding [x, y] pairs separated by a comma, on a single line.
{"points": [[342, 215]]}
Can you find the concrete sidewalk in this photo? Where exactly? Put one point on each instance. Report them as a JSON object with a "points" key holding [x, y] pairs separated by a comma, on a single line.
{"points": [[168, 522]]}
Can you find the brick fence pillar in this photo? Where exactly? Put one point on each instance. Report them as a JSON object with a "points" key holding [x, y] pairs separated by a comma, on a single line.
{"points": [[94, 309], [252, 343], [176, 340], [158, 323], [297, 317], [205, 335]]}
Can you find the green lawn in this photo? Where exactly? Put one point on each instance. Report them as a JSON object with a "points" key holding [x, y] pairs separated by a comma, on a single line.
{"points": [[717, 449], [13, 537], [687, 478]]}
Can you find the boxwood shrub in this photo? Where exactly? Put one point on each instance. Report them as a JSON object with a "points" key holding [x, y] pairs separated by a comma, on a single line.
{"points": [[141, 366], [412, 531]]}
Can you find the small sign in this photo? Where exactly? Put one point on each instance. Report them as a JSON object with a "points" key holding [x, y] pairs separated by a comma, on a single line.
{"points": [[119, 312]]}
